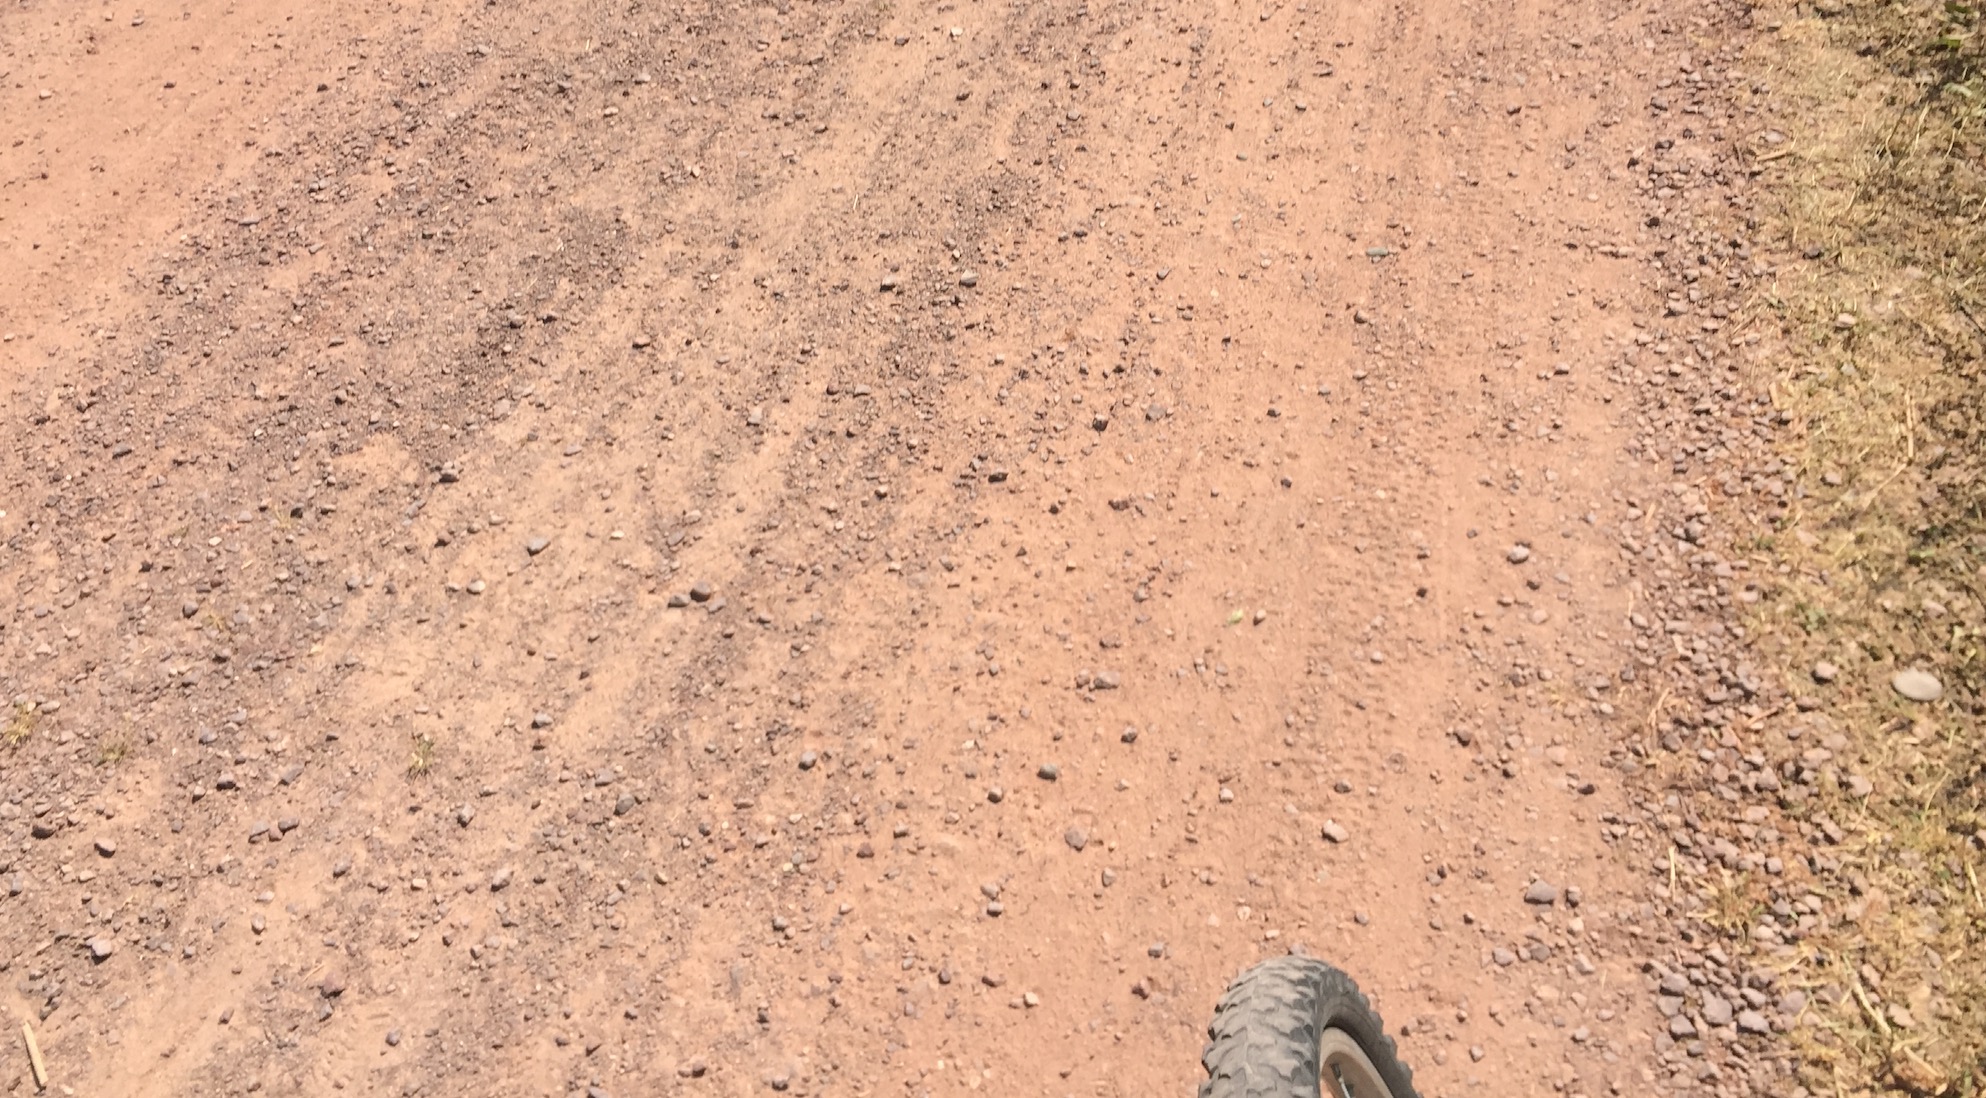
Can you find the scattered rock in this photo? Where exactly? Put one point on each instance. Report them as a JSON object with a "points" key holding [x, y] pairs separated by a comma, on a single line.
{"points": [[1917, 685], [1519, 553], [537, 545], [1540, 893], [107, 846], [1076, 837], [1335, 832]]}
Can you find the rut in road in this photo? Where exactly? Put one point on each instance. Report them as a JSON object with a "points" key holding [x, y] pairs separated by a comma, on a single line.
{"points": [[661, 546]]}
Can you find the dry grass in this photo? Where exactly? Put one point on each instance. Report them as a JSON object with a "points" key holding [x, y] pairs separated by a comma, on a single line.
{"points": [[1877, 343], [421, 759], [20, 725]]}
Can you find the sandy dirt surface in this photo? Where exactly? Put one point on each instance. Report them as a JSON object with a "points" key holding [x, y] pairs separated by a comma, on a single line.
{"points": [[655, 547]]}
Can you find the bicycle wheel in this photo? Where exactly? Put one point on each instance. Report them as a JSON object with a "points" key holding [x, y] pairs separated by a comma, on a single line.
{"points": [[1291, 1027]]}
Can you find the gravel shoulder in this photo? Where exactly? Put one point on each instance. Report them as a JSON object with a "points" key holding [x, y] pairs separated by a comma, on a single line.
{"points": [[1819, 741]]}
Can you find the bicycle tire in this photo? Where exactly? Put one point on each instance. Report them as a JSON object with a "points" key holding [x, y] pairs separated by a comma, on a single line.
{"points": [[1287, 1024]]}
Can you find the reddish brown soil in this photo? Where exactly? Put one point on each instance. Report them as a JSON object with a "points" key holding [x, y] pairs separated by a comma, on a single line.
{"points": [[1151, 391]]}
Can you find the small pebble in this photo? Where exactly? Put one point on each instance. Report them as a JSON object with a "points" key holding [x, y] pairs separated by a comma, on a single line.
{"points": [[1825, 672], [107, 846], [1335, 832], [1918, 686], [1076, 837], [1048, 772], [1519, 554], [1540, 893], [537, 545]]}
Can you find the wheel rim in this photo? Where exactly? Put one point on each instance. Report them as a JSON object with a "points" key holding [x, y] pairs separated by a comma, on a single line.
{"points": [[1348, 1069]]}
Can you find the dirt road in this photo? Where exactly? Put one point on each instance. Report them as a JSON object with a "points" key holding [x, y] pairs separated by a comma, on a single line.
{"points": [[664, 547]]}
